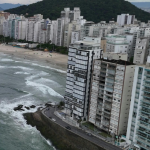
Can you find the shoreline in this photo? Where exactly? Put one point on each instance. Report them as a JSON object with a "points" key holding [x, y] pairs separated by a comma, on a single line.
{"points": [[59, 61], [60, 137]]}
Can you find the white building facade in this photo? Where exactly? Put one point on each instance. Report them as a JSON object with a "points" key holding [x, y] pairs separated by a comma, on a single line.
{"points": [[80, 58]]}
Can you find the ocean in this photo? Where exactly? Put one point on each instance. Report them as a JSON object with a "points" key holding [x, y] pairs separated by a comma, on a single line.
{"points": [[28, 83]]}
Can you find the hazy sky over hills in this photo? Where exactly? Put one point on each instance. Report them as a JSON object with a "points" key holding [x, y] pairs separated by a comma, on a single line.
{"points": [[33, 1]]}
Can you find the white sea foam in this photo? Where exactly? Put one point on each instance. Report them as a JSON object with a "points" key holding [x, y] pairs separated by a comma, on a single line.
{"points": [[44, 80], [6, 60], [2, 67], [7, 108], [58, 70], [43, 88], [21, 73], [20, 67], [42, 73], [48, 142], [25, 62]]}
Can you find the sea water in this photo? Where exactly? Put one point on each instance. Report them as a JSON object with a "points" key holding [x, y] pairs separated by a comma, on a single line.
{"points": [[26, 82]]}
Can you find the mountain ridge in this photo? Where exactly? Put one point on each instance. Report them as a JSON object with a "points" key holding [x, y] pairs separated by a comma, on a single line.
{"points": [[95, 10], [142, 4], [1, 9], [5, 6]]}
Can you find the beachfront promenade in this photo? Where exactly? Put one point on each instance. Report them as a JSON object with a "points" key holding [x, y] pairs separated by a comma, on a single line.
{"points": [[49, 113]]}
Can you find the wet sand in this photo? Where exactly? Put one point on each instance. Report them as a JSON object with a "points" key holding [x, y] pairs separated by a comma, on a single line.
{"points": [[54, 59]]}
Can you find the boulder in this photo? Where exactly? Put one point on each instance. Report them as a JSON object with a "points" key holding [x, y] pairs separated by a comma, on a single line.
{"points": [[19, 108], [32, 106]]}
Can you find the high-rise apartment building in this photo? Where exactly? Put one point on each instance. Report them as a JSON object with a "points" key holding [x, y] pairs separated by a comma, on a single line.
{"points": [[80, 58], [138, 131], [141, 51], [111, 89], [71, 14], [124, 19]]}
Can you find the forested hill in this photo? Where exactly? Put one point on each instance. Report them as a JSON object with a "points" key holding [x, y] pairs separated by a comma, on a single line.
{"points": [[92, 10]]}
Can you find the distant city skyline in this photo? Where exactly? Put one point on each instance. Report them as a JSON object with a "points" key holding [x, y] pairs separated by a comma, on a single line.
{"points": [[34, 1]]}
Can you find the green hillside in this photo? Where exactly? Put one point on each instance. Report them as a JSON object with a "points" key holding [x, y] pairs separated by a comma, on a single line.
{"points": [[92, 10]]}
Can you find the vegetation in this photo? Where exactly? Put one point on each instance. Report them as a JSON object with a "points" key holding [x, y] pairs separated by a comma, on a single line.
{"points": [[88, 125], [53, 47], [49, 46], [61, 105], [104, 134], [95, 10], [122, 140], [8, 39], [5, 39]]}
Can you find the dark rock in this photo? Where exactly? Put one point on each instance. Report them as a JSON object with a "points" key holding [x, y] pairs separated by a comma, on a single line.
{"points": [[32, 106], [19, 108], [27, 107]]}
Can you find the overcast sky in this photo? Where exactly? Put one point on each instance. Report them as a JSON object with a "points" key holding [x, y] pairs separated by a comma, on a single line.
{"points": [[33, 1]]}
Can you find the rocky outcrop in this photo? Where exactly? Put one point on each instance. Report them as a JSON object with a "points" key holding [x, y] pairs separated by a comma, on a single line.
{"points": [[19, 108]]}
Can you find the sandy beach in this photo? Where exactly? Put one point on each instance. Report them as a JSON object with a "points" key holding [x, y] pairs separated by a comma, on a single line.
{"points": [[54, 59]]}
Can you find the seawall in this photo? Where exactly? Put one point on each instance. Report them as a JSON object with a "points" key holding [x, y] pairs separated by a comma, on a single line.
{"points": [[60, 137]]}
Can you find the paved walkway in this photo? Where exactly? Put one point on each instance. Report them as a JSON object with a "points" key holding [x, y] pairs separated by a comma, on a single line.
{"points": [[49, 113]]}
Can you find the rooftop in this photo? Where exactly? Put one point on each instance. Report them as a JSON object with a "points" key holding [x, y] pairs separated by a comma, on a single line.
{"points": [[120, 62]]}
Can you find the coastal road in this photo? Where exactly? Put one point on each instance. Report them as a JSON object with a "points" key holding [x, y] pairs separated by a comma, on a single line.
{"points": [[49, 112]]}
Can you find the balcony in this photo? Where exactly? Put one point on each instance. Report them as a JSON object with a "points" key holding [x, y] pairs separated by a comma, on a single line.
{"points": [[146, 101], [102, 78], [104, 128], [146, 95], [103, 65], [103, 70], [147, 74], [110, 76], [106, 106], [111, 72], [105, 123], [146, 90], [110, 80], [146, 85], [112, 67], [108, 89], [107, 99], [103, 75]]}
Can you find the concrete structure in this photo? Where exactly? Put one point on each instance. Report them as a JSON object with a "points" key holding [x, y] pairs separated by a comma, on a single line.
{"points": [[69, 28], [138, 131], [60, 24], [72, 15], [117, 44], [111, 89], [124, 19], [30, 30], [85, 29], [21, 29], [4, 14], [75, 35], [115, 56], [141, 51], [80, 58], [103, 44]]}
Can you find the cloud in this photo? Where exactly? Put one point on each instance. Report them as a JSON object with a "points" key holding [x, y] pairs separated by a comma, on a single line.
{"points": [[19, 1]]}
